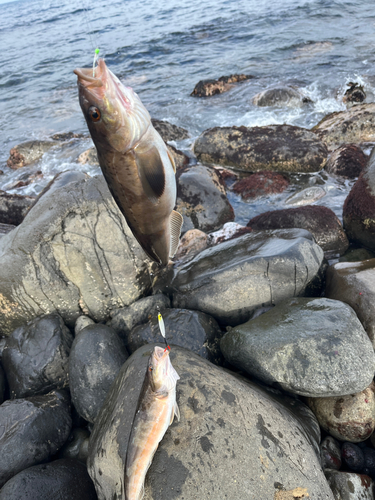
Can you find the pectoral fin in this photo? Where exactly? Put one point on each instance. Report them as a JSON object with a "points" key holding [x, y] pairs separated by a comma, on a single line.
{"points": [[172, 161], [176, 412], [151, 172], [176, 221]]}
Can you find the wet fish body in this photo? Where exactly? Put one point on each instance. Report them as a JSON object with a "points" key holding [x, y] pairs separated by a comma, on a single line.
{"points": [[156, 410], [134, 159]]}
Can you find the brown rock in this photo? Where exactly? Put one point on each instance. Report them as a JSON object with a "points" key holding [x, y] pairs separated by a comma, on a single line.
{"points": [[320, 221], [354, 94], [359, 208], [347, 418], [348, 161], [282, 148], [354, 283], [89, 156], [192, 242], [28, 152], [261, 184], [356, 125], [168, 131], [206, 88]]}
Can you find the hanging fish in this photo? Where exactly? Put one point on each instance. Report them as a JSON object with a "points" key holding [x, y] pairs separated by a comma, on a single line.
{"points": [[156, 410], [134, 159]]}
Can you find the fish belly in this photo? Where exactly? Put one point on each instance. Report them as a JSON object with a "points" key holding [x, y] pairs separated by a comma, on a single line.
{"points": [[149, 427]]}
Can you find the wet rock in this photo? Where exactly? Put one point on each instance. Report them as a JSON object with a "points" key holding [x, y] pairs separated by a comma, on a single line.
{"points": [[281, 148], [193, 330], [2, 384], [261, 184], [180, 159], [168, 131], [65, 479], [96, 357], [76, 446], [5, 228], [356, 255], [14, 207], [321, 221], [353, 457], [35, 357], [330, 453], [24, 179], [125, 319], [28, 153], [359, 208], [67, 136], [89, 156], [192, 242], [347, 418], [350, 486], [354, 94], [281, 96], [201, 199], [356, 125], [309, 346], [62, 179], [369, 468], [347, 161], [230, 231], [206, 88], [232, 279], [354, 283], [306, 196], [33, 429], [72, 254], [246, 445], [81, 323]]}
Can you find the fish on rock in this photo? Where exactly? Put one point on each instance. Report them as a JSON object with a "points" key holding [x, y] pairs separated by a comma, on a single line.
{"points": [[134, 159], [157, 407]]}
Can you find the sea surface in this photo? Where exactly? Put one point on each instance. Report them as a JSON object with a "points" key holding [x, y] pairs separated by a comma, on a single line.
{"points": [[162, 48]]}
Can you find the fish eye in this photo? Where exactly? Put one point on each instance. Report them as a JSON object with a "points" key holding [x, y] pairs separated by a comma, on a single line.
{"points": [[94, 114], [150, 368]]}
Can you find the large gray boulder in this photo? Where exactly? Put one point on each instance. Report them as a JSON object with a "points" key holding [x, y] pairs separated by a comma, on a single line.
{"points": [[283, 148], [308, 346], [234, 439], [232, 279], [73, 254]]}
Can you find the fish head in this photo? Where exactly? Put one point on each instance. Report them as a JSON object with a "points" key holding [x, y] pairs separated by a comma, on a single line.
{"points": [[115, 115], [161, 372]]}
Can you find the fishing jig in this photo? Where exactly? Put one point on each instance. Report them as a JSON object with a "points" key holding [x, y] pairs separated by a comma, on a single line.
{"points": [[96, 56], [162, 330]]}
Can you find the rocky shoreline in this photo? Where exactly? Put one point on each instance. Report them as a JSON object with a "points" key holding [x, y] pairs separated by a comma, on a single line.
{"points": [[271, 324]]}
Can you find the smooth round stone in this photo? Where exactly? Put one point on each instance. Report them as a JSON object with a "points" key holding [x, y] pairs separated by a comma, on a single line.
{"points": [[64, 479], [32, 430], [350, 486], [81, 323], [36, 357], [96, 356], [77, 445], [347, 418], [309, 346], [369, 468], [353, 457], [330, 453]]}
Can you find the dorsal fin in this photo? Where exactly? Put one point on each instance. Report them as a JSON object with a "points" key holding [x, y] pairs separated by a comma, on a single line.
{"points": [[151, 172], [176, 221]]}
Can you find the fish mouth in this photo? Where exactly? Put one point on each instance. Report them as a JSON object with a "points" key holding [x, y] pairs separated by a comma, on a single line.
{"points": [[90, 78], [160, 353]]}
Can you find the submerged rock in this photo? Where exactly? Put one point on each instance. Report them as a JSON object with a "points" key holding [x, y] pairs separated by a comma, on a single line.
{"points": [[72, 254], [347, 418], [309, 346], [96, 357], [306, 196], [281, 96], [14, 207], [28, 152], [206, 88], [354, 94], [356, 125], [347, 161], [193, 330], [32, 430], [359, 208], [232, 279], [36, 355], [354, 283], [65, 479], [321, 221], [234, 439], [282, 148], [202, 200]]}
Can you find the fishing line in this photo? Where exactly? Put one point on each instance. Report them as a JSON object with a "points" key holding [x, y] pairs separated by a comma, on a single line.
{"points": [[90, 30]]}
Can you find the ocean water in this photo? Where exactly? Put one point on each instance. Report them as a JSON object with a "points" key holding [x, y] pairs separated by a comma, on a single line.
{"points": [[162, 48]]}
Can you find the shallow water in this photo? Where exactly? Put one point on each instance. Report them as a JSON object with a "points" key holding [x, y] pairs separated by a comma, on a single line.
{"points": [[162, 49]]}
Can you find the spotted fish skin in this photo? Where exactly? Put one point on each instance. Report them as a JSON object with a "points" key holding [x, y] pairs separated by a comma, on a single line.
{"points": [[134, 159], [156, 410]]}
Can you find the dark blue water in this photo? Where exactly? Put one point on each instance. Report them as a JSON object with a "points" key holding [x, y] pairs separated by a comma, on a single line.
{"points": [[162, 48]]}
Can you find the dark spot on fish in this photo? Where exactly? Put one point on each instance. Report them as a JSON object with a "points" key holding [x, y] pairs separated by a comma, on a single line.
{"points": [[220, 422], [193, 404], [228, 397], [168, 485]]}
